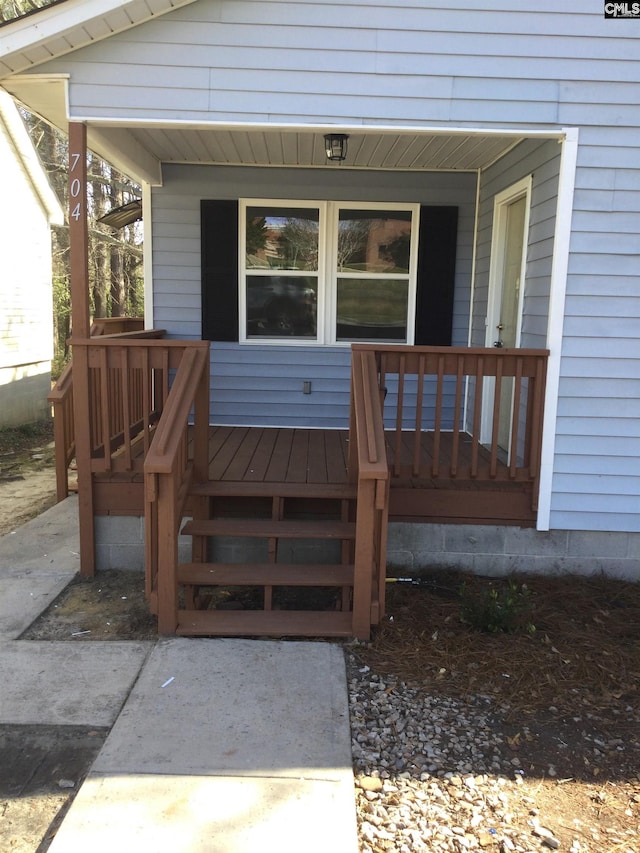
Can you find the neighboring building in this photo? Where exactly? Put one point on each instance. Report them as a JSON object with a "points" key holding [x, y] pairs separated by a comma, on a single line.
{"points": [[510, 131], [28, 208]]}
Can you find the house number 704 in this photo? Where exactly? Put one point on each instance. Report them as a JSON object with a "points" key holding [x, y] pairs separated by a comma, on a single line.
{"points": [[75, 188]]}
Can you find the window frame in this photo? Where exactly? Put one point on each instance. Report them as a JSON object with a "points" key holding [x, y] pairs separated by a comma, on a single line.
{"points": [[327, 270]]}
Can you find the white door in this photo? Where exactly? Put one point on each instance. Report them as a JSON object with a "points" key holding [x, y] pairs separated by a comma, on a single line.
{"points": [[508, 259]]}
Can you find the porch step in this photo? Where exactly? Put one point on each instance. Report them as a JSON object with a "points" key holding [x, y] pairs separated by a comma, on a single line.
{"points": [[322, 491], [264, 623], [269, 529], [261, 574]]}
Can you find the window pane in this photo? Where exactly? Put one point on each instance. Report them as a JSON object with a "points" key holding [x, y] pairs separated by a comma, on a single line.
{"points": [[372, 308], [374, 241], [281, 306], [282, 238]]}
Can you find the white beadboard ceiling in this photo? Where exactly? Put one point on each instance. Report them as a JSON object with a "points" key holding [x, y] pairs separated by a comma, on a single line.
{"points": [[367, 148]]}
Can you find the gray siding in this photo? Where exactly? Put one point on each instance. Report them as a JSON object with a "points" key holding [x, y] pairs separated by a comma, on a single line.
{"points": [[262, 385], [539, 66], [542, 161]]}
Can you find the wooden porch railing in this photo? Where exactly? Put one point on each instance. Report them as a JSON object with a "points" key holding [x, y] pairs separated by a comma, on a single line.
{"points": [[169, 470], [129, 380], [61, 399], [368, 469], [458, 396], [64, 436]]}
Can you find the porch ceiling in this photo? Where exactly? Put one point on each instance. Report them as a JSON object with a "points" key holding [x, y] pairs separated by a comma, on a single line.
{"points": [[367, 149]]}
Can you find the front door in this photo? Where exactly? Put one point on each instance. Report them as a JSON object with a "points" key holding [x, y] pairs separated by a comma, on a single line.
{"points": [[506, 288]]}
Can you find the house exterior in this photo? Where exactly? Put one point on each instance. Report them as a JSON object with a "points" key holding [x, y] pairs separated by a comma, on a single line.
{"points": [[501, 142], [28, 210]]}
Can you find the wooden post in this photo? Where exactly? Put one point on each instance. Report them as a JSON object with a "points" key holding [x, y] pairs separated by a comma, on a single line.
{"points": [[80, 329]]}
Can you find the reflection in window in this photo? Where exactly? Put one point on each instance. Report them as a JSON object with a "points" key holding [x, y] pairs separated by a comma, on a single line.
{"points": [[374, 241], [371, 309], [282, 306], [327, 272], [282, 238]]}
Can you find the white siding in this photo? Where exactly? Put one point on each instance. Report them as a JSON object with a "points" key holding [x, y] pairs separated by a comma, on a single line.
{"points": [[262, 385], [541, 65], [26, 306]]}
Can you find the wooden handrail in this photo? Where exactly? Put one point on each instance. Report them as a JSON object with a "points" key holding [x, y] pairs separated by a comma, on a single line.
{"points": [[369, 469], [369, 429], [168, 473], [159, 459]]}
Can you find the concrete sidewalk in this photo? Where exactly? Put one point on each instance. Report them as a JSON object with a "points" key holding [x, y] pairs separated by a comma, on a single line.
{"points": [[215, 745]]}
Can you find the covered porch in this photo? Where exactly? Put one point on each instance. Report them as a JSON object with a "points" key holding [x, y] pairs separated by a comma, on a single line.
{"points": [[444, 433]]}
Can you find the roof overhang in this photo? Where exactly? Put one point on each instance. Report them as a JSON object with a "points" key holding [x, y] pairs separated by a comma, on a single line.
{"points": [[56, 30], [25, 150], [140, 148]]}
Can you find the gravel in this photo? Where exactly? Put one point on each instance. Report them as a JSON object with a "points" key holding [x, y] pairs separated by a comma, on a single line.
{"points": [[436, 774]]}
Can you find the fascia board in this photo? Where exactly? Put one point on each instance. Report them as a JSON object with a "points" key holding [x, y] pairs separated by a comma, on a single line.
{"points": [[29, 157], [52, 23]]}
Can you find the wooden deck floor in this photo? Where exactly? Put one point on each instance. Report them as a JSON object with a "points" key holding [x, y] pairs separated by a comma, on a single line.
{"points": [[277, 455], [319, 458]]}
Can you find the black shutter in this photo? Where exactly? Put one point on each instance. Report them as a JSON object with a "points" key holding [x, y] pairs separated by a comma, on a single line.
{"points": [[219, 241], [436, 275]]}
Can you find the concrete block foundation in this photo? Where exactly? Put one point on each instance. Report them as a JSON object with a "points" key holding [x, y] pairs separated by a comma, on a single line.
{"points": [[413, 548]]}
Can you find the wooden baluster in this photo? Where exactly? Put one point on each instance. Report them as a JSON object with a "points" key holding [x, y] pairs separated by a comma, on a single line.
{"points": [[477, 412], [146, 400], [105, 408], [495, 423], [399, 410], [417, 446], [457, 412], [126, 411], [515, 426], [437, 425]]}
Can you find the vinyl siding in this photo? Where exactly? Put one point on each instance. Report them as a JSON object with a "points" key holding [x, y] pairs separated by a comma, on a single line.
{"points": [[542, 161], [26, 302], [254, 384], [539, 66], [26, 326]]}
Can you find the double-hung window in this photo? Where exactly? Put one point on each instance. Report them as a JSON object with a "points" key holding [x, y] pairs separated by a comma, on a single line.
{"points": [[327, 272]]}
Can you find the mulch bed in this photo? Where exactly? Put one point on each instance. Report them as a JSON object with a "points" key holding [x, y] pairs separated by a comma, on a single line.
{"points": [[575, 644]]}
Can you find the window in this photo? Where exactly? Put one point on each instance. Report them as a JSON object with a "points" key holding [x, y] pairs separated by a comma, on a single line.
{"points": [[336, 291], [327, 272]]}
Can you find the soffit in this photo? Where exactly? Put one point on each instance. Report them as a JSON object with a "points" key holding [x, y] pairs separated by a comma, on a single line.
{"points": [[368, 148]]}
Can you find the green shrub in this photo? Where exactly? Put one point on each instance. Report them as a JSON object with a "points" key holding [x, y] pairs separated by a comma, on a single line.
{"points": [[496, 607]]}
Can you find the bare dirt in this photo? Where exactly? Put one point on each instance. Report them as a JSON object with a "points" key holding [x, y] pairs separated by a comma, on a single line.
{"points": [[27, 474], [564, 679]]}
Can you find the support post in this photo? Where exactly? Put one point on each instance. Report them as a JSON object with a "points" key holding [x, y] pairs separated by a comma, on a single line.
{"points": [[80, 329]]}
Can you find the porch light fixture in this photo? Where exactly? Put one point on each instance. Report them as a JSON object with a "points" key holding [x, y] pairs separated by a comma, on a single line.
{"points": [[335, 146]]}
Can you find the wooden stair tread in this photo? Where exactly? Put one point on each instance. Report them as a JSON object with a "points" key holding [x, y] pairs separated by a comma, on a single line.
{"points": [[261, 574], [272, 623], [268, 528], [218, 488]]}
